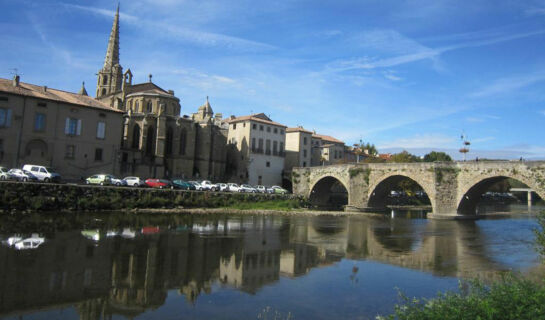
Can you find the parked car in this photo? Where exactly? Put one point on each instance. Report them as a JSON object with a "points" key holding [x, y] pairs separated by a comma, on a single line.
{"points": [[198, 186], [45, 174], [21, 175], [181, 184], [4, 173], [134, 182], [100, 179], [223, 186], [246, 188], [117, 182], [233, 187], [209, 185], [159, 183], [261, 189], [279, 190]]}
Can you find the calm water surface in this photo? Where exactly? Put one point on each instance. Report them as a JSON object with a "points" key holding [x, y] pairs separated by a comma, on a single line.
{"points": [[113, 266]]}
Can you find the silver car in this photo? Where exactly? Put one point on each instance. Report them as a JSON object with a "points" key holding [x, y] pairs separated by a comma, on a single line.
{"points": [[246, 188], [134, 181], [117, 182], [4, 173], [21, 175]]}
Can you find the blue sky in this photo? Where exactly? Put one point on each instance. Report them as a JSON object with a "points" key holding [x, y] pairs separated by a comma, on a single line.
{"points": [[400, 74]]}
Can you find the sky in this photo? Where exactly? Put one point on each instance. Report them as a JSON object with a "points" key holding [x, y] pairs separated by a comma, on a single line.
{"points": [[411, 75]]}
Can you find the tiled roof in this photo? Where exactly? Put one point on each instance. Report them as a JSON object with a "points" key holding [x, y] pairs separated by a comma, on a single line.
{"points": [[327, 138], [31, 90], [258, 117], [298, 129]]}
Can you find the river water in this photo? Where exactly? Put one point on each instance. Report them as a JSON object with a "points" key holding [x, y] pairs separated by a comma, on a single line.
{"points": [[117, 266]]}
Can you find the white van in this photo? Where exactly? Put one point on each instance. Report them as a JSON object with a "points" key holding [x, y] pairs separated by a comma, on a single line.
{"points": [[44, 174]]}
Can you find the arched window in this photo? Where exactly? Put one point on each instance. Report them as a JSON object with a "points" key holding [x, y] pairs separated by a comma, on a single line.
{"points": [[104, 79], [136, 137], [183, 137], [136, 106], [168, 142], [103, 91], [149, 140], [149, 107]]}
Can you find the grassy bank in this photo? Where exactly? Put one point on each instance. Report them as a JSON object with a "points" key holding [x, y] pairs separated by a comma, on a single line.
{"points": [[24, 197]]}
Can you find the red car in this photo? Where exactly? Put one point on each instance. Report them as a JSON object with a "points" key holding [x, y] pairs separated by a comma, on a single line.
{"points": [[159, 183]]}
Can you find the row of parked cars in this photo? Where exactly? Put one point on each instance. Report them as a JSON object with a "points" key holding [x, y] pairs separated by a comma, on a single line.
{"points": [[178, 183], [30, 172]]}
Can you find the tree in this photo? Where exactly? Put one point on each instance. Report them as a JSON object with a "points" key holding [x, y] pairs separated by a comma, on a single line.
{"points": [[437, 156], [404, 156]]}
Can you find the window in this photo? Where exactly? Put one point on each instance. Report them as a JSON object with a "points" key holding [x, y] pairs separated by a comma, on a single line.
{"points": [[101, 129], [304, 153], [5, 117], [103, 91], [268, 164], [168, 141], [183, 136], [137, 106], [98, 154], [281, 147], [104, 79], [268, 129], [305, 141], [150, 107], [244, 124], [254, 126], [304, 163], [42, 104], [281, 131], [253, 144], [234, 126], [260, 145], [136, 137], [70, 152], [275, 147], [275, 130], [260, 127], [72, 127], [268, 146], [39, 122]]}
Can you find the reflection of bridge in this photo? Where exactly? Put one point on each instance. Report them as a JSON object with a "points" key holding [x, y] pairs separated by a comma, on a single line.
{"points": [[454, 188]]}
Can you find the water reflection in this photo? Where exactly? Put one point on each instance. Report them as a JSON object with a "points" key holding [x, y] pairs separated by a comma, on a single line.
{"points": [[129, 270]]}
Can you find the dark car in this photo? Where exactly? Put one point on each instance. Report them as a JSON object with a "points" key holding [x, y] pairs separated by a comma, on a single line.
{"points": [[181, 184], [21, 175], [159, 183]]}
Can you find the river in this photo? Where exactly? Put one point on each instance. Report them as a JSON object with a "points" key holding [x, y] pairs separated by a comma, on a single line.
{"points": [[118, 266]]}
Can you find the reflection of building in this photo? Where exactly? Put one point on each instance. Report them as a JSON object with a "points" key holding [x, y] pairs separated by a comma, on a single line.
{"points": [[259, 144], [54, 128], [156, 140]]}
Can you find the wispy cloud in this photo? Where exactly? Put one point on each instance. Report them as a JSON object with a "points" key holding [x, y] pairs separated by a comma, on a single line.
{"points": [[199, 37], [481, 118], [421, 141], [506, 85]]}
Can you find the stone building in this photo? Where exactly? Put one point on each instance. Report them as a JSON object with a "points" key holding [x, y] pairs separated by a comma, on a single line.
{"points": [[326, 150], [72, 132], [298, 148], [157, 141], [259, 149]]}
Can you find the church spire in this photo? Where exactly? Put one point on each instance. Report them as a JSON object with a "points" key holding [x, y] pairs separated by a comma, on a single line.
{"points": [[112, 53]]}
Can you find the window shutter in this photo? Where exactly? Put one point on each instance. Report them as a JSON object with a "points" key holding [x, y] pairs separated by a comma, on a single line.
{"points": [[67, 126], [79, 127], [8, 118]]}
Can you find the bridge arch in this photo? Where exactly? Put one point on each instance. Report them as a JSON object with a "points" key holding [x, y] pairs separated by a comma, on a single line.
{"points": [[329, 191], [380, 189], [470, 194]]}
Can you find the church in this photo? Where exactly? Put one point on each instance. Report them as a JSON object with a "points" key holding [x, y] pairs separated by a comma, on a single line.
{"points": [[156, 140]]}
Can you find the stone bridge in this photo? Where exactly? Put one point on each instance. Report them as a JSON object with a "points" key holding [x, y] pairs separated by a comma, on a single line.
{"points": [[454, 188]]}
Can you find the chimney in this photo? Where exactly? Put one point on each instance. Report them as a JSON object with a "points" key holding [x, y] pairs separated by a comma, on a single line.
{"points": [[16, 80], [45, 88]]}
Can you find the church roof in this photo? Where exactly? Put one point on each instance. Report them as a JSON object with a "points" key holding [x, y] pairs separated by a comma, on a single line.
{"points": [[206, 107], [149, 88], [41, 92], [258, 117]]}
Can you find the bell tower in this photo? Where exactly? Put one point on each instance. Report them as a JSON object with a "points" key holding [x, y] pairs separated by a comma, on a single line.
{"points": [[110, 77]]}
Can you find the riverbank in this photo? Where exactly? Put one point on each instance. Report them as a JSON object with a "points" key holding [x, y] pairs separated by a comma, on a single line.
{"points": [[41, 197]]}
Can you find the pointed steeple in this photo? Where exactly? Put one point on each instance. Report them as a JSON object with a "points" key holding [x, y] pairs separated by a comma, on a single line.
{"points": [[82, 91], [112, 53]]}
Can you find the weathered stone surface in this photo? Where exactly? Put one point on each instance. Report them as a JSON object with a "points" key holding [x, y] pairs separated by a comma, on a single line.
{"points": [[452, 187]]}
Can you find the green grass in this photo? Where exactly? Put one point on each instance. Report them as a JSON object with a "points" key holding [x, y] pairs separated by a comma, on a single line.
{"points": [[282, 205]]}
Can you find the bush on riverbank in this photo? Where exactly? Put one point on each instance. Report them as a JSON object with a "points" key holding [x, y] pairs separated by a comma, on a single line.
{"points": [[511, 298], [20, 197]]}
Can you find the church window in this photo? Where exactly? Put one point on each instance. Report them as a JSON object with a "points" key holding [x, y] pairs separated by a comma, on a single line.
{"points": [[149, 140], [103, 91], [130, 105], [149, 107], [137, 106], [136, 137], [104, 79], [183, 136], [168, 142]]}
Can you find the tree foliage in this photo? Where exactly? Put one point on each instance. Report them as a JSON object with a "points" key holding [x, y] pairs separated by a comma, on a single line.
{"points": [[404, 156], [437, 156]]}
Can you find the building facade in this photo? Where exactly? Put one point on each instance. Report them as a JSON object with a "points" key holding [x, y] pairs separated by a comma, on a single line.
{"points": [[298, 148], [258, 149], [72, 132]]}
